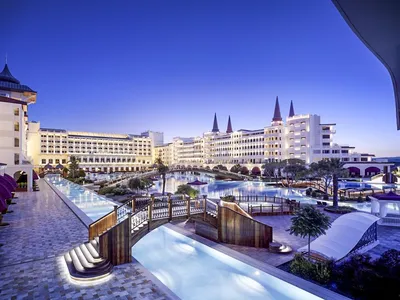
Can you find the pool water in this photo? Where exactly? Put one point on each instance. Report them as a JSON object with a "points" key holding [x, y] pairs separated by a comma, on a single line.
{"points": [[93, 205], [193, 270], [215, 189]]}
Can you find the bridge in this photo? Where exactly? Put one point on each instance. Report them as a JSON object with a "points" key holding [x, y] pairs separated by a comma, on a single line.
{"points": [[111, 237]]}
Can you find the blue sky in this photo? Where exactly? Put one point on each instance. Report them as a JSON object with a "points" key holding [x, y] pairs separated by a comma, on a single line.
{"points": [[129, 66]]}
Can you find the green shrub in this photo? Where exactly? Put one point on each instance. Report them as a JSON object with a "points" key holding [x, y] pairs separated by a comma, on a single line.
{"points": [[342, 198], [106, 190], [187, 190], [314, 194], [229, 198], [340, 209], [308, 191], [360, 199], [317, 271], [301, 267], [326, 197]]}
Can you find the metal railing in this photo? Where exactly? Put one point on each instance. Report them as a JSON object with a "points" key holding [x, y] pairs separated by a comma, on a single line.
{"points": [[139, 217]]}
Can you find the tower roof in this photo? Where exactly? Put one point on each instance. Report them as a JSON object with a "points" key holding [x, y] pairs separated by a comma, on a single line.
{"points": [[10, 83], [291, 110], [6, 75], [229, 128], [215, 125], [277, 111]]}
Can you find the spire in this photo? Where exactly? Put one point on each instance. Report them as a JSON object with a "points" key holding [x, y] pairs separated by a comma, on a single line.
{"points": [[229, 128], [215, 125], [277, 112], [6, 75], [291, 111]]}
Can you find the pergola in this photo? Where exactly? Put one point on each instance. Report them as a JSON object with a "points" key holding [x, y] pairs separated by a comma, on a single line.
{"points": [[380, 202]]}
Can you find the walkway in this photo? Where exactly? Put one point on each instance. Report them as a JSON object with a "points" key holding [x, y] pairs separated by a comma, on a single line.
{"points": [[42, 228]]}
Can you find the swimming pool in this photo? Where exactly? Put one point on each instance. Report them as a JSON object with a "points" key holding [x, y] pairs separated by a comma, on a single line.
{"points": [[92, 204], [193, 270]]}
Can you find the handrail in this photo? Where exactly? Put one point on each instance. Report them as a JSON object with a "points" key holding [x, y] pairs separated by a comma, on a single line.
{"points": [[137, 219]]}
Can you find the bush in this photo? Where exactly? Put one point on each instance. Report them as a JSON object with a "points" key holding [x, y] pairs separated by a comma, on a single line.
{"points": [[360, 199], [229, 198], [326, 197], [308, 191], [106, 190], [367, 198], [314, 194], [340, 209], [317, 271], [187, 190], [342, 198]]}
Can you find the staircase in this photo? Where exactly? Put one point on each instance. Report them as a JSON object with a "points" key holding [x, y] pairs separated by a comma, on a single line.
{"points": [[84, 262]]}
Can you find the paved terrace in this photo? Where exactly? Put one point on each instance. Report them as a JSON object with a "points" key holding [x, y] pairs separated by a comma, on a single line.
{"points": [[42, 228]]}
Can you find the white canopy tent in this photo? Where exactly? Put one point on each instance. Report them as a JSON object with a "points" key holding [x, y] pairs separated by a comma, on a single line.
{"points": [[343, 236]]}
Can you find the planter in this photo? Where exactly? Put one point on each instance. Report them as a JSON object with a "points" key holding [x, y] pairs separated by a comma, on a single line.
{"points": [[340, 210], [21, 189]]}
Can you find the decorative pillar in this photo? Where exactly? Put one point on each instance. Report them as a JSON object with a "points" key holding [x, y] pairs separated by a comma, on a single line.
{"points": [[29, 176]]}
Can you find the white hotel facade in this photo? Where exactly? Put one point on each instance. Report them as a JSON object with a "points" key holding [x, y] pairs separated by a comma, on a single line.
{"points": [[25, 146], [300, 136]]}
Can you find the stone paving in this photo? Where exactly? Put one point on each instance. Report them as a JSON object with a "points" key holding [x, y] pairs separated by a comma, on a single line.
{"points": [[389, 238], [42, 228]]}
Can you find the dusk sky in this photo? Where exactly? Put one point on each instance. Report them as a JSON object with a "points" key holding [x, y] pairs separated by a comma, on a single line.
{"points": [[130, 66]]}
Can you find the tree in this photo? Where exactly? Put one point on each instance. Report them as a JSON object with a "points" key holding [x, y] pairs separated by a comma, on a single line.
{"points": [[73, 167], [294, 168], [309, 222], [270, 167], [330, 170], [146, 183], [236, 168], [81, 173], [140, 184], [135, 184], [187, 190], [162, 170], [220, 167], [65, 172]]}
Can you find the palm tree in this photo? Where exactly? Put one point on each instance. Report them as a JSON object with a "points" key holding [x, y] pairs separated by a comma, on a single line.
{"points": [[236, 168], [330, 170], [162, 170], [73, 167], [309, 222]]}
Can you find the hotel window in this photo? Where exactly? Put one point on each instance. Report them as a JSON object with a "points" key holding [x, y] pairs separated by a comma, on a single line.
{"points": [[326, 136], [364, 159], [43, 161], [345, 151], [345, 159], [16, 111], [57, 161], [50, 160], [16, 159], [16, 142], [325, 144], [16, 126], [325, 151], [64, 161]]}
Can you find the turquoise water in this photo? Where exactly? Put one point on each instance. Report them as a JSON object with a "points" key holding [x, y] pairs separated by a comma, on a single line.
{"points": [[92, 204], [194, 271]]}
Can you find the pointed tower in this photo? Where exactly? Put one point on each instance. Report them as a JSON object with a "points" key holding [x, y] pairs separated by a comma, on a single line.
{"points": [[229, 128], [277, 112], [215, 125], [291, 110]]}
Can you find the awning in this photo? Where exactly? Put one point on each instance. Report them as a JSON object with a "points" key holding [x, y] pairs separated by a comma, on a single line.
{"points": [[3, 204], [197, 182]]}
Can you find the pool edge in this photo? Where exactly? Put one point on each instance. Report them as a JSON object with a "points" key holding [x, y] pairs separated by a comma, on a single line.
{"points": [[280, 274]]}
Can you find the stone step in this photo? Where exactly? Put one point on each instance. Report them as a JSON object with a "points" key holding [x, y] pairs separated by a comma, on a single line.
{"points": [[92, 250]]}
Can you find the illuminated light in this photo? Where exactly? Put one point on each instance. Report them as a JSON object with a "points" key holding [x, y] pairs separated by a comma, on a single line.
{"points": [[250, 285], [257, 273]]}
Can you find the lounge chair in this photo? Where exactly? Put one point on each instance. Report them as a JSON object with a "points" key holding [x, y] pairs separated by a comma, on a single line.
{"points": [[319, 203], [324, 203]]}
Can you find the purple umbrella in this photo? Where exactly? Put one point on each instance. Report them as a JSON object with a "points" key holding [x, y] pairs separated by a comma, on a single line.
{"points": [[48, 167], [3, 204], [11, 180], [6, 183], [35, 175], [5, 192]]}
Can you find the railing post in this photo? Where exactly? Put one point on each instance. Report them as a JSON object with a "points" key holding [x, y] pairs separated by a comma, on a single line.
{"points": [[133, 204], [188, 208], [150, 212], [256, 198], [260, 208], [274, 199], [169, 208], [115, 219], [205, 207]]}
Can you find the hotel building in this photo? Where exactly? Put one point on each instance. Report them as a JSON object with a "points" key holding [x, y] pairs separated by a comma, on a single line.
{"points": [[300, 136], [95, 151], [14, 101]]}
